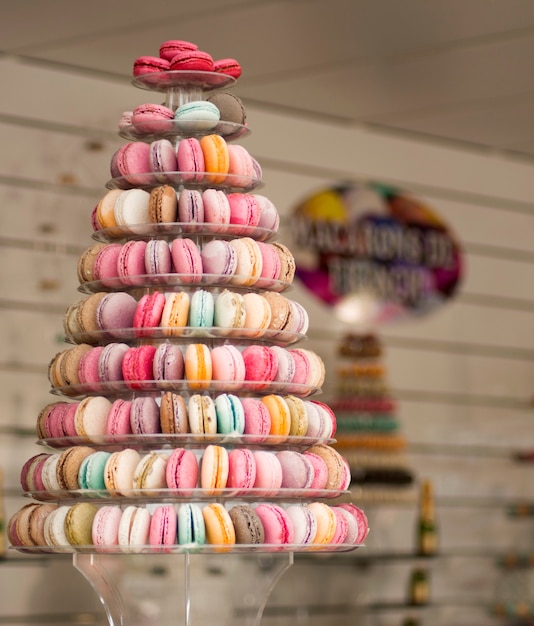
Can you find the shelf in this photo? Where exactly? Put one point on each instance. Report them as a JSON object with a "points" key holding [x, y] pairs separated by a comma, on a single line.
{"points": [[432, 605], [80, 619]]}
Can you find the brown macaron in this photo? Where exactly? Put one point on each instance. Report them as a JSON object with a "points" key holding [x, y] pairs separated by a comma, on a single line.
{"points": [[247, 524], [173, 414], [86, 263], [163, 205], [68, 466]]}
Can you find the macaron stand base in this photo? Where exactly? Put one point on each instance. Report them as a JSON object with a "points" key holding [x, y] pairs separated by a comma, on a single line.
{"points": [[92, 559]]}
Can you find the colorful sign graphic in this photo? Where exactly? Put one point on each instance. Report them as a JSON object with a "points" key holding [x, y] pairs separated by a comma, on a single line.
{"points": [[374, 253]]}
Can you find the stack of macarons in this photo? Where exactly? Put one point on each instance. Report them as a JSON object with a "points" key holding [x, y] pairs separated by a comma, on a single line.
{"points": [[118, 211], [369, 431], [187, 419], [213, 470], [118, 366], [189, 526], [97, 419], [177, 55], [242, 261], [210, 159], [104, 316]]}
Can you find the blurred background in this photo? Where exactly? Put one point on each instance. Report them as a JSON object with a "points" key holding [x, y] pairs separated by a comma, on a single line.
{"points": [[433, 98]]}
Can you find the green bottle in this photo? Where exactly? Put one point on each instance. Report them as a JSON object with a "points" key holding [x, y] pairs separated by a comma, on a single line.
{"points": [[427, 528], [419, 587]]}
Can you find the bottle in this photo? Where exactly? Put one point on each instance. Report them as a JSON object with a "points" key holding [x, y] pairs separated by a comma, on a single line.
{"points": [[419, 587], [427, 529]]}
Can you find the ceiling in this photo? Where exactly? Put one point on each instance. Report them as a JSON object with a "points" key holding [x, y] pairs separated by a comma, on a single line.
{"points": [[449, 70]]}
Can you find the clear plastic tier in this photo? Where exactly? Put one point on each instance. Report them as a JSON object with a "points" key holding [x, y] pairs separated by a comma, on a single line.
{"points": [[175, 130], [166, 495], [183, 81], [171, 230], [191, 180], [190, 548], [121, 388], [136, 284], [162, 441], [217, 335]]}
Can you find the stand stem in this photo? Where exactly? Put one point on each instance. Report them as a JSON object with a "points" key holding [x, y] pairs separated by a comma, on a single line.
{"points": [[272, 584], [92, 568], [187, 590]]}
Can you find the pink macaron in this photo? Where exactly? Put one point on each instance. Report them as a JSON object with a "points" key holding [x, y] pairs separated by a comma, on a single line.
{"points": [[187, 260], [192, 60], [131, 267], [190, 160], [228, 365], [115, 312], [261, 365], [158, 260], [148, 311], [269, 216], [297, 470], [242, 470], [163, 527], [169, 49], [190, 206], [137, 365], [229, 66], [244, 209], [168, 363], [257, 419], [182, 470], [269, 473], [216, 207], [144, 416], [276, 523], [270, 267], [219, 259], [105, 527], [149, 65], [162, 159], [131, 161], [241, 167], [152, 118], [304, 524], [105, 267], [110, 364], [118, 422]]}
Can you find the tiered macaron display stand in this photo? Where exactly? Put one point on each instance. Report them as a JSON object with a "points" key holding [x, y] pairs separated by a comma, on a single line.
{"points": [[180, 87]]}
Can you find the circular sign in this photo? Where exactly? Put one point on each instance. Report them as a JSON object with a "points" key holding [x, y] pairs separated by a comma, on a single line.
{"points": [[374, 253]]}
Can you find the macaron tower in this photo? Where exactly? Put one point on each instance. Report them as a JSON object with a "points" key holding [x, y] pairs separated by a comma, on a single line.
{"points": [[368, 430], [184, 417]]}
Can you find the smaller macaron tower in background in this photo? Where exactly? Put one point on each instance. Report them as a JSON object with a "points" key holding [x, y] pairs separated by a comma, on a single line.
{"points": [[368, 429], [186, 418]]}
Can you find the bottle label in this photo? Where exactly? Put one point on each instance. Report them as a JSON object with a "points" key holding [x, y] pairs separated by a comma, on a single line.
{"points": [[428, 543]]}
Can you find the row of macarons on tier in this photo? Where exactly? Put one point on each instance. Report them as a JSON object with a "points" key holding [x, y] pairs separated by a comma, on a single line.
{"points": [[222, 113], [181, 55], [83, 471], [187, 527], [103, 317], [160, 366], [148, 422], [210, 160], [241, 262], [165, 210]]}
